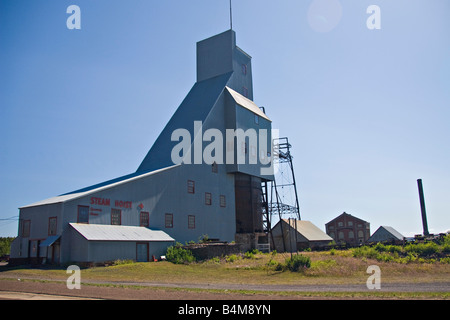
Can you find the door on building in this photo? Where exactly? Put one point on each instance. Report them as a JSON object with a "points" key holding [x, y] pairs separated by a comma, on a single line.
{"points": [[55, 252], [142, 252]]}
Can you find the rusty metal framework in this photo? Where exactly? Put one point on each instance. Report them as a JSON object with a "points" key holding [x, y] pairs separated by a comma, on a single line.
{"points": [[280, 197]]}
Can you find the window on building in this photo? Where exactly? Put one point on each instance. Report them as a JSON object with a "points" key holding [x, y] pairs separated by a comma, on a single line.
{"points": [[244, 148], [223, 201], [245, 92], [341, 235], [144, 219], [256, 119], [191, 222], [208, 198], [116, 217], [244, 69], [191, 186], [83, 214], [360, 234], [340, 224], [52, 226], [351, 235], [26, 224], [350, 223], [168, 220], [215, 167]]}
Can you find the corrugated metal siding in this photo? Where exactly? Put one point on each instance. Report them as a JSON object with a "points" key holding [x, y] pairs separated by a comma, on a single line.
{"points": [[110, 251], [96, 232]]}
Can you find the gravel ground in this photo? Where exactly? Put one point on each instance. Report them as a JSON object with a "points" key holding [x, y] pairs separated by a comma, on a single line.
{"points": [[159, 291], [120, 293]]}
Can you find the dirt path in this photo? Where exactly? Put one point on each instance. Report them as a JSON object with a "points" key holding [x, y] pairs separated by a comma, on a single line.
{"points": [[124, 293], [160, 291]]}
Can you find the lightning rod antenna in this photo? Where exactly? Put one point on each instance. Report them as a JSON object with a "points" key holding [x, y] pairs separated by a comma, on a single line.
{"points": [[231, 17]]}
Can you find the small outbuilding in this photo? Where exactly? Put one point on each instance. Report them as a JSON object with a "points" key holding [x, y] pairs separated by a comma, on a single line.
{"points": [[98, 243], [386, 234], [292, 235]]}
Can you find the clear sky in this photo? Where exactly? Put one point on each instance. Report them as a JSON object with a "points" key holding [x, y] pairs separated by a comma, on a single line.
{"points": [[367, 111]]}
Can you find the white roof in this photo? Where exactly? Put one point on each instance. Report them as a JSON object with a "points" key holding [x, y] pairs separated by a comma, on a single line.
{"points": [[394, 232], [99, 232], [72, 196], [246, 103], [309, 230]]}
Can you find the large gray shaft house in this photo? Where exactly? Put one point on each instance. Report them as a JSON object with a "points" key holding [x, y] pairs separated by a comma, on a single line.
{"points": [[202, 176]]}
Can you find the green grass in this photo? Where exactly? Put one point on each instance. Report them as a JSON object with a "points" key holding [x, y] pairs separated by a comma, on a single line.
{"points": [[338, 267], [427, 262]]}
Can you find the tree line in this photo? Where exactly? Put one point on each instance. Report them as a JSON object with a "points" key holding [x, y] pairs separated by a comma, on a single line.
{"points": [[5, 245]]}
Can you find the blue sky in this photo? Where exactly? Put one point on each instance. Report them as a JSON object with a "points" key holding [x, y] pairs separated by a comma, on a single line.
{"points": [[367, 111]]}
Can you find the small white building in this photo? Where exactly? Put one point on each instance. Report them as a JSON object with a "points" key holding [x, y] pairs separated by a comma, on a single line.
{"points": [[293, 235]]}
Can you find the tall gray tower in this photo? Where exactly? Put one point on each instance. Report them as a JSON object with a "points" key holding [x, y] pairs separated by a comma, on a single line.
{"points": [[220, 65], [219, 55]]}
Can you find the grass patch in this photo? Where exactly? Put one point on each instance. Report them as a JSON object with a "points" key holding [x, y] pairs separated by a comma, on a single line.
{"points": [[328, 267], [429, 252]]}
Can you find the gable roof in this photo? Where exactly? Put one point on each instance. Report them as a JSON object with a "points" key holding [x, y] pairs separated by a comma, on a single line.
{"points": [[98, 232], [308, 230], [346, 214], [384, 233], [394, 232]]}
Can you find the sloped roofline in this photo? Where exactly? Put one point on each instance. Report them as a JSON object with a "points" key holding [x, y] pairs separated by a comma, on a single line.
{"points": [[76, 195], [101, 232], [246, 103], [347, 214], [307, 229]]}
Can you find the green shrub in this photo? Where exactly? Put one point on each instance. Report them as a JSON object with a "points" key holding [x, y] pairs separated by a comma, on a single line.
{"points": [[394, 249], [232, 258], [249, 255], [178, 255], [365, 252], [445, 260], [297, 263], [5, 245], [215, 260], [422, 249], [445, 248], [380, 247], [119, 262]]}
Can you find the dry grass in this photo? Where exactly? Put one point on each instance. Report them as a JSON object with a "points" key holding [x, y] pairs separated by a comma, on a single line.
{"points": [[326, 268]]}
